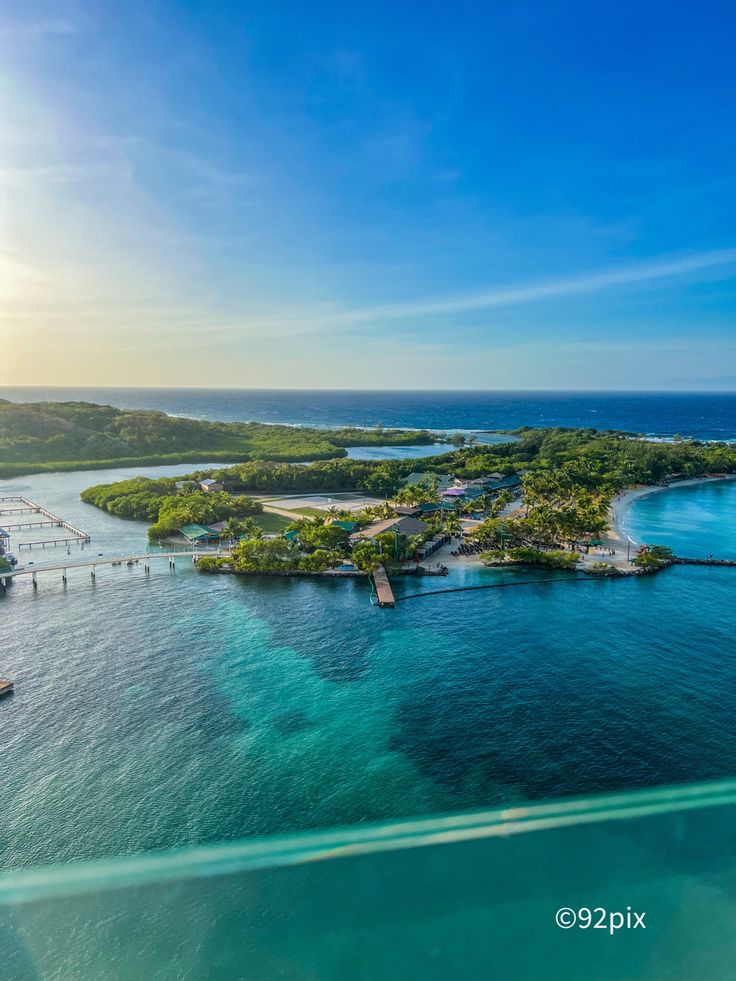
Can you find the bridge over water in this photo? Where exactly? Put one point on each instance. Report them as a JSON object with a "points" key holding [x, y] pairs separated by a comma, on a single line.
{"points": [[128, 559]]}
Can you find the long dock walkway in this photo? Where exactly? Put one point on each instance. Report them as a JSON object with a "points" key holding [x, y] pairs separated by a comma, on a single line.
{"points": [[142, 558], [384, 593]]}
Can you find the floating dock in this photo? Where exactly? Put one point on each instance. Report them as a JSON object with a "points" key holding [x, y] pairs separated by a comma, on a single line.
{"points": [[5, 687], [384, 593]]}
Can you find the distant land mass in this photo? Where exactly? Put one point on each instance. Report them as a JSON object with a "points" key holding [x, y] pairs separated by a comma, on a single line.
{"points": [[46, 436]]}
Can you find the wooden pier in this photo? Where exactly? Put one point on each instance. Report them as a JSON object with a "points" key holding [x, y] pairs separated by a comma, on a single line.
{"points": [[25, 525], [384, 593], [21, 505]]}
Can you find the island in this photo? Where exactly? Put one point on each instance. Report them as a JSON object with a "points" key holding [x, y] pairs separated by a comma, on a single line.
{"points": [[40, 437], [547, 499]]}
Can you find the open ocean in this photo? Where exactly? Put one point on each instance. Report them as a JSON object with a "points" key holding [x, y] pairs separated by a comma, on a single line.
{"points": [[177, 709], [693, 414]]}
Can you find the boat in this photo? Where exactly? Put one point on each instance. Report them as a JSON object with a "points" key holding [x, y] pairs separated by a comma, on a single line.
{"points": [[6, 687]]}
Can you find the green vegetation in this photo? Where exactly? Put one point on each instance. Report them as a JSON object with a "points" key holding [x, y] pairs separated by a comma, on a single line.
{"points": [[44, 436], [654, 557], [601, 569], [597, 462], [554, 559], [313, 533], [369, 554], [168, 506], [272, 524], [237, 528], [568, 478], [270, 556], [380, 478], [316, 548]]}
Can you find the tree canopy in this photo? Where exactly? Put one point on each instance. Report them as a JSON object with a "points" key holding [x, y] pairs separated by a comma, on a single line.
{"points": [[39, 436]]}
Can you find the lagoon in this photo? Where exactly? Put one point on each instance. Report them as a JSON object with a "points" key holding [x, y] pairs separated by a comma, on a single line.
{"points": [[435, 449], [177, 709]]}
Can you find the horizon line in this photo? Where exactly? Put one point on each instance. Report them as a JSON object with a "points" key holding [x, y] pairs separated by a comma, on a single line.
{"points": [[432, 389]]}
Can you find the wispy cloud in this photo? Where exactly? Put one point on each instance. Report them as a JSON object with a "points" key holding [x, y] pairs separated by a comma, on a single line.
{"points": [[667, 268]]}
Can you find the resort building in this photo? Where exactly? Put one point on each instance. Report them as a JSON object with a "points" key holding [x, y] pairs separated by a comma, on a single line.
{"points": [[218, 527], [348, 526], [509, 482], [404, 526], [200, 534], [490, 483], [461, 495], [475, 481], [210, 486]]}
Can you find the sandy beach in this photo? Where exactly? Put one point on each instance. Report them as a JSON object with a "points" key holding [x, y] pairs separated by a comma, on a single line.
{"points": [[618, 533], [617, 538]]}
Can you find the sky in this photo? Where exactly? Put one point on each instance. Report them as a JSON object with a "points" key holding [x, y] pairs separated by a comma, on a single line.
{"points": [[332, 195]]}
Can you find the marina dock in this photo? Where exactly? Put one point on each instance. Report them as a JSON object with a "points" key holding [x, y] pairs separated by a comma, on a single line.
{"points": [[384, 593], [22, 506]]}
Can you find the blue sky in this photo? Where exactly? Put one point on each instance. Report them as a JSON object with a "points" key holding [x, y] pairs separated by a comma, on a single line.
{"points": [[532, 195]]}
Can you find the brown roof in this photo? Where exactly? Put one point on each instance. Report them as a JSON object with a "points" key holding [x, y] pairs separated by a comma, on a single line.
{"points": [[405, 526], [412, 526]]}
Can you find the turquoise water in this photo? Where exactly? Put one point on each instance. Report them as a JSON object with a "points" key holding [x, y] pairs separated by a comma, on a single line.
{"points": [[177, 709], [397, 452], [694, 519], [435, 449]]}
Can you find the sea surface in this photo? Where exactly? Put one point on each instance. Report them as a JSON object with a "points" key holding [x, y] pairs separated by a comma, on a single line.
{"points": [[698, 415], [173, 709]]}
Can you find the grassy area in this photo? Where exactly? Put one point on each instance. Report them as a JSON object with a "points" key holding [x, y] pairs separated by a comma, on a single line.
{"points": [[272, 524]]}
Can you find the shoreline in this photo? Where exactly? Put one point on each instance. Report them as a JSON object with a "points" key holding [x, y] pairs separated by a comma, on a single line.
{"points": [[621, 505]]}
